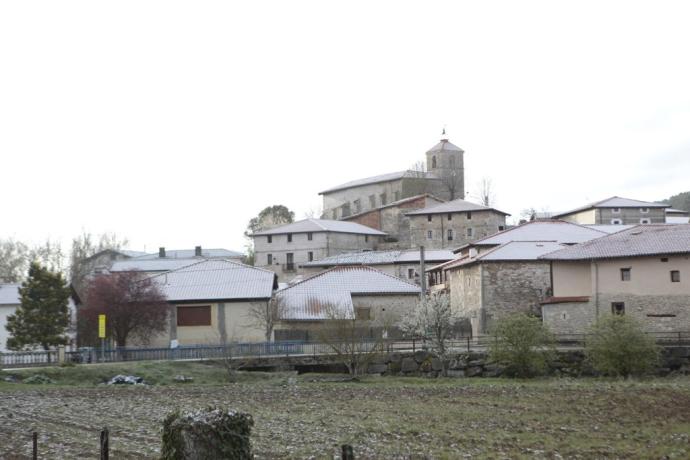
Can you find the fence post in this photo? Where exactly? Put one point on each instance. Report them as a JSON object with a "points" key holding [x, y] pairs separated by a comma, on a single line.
{"points": [[346, 452], [34, 438], [104, 444], [61, 354], [413, 345]]}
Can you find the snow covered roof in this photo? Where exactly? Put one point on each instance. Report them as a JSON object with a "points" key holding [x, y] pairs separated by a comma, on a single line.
{"points": [[609, 228], [556, 230], [321, 225], [217, 253], [379, 179], [213, 279], [614, 202], [312, 298], [9, 294], [445, 145], [381, 257], [152, 265], [508, 252], [641, 240], [458, 205]]}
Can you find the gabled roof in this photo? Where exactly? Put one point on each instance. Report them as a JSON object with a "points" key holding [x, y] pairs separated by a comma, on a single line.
{"points": [[445, 145], [609, 228], [124, 252], [379, 179], [214, 279], [614, 202], [152, 265], [217, 253], [538, 230], [381, 258], [513, 251], [641, 240], [9, 294], [458, 205], [311, 298], [321, 225], [395, 203]]}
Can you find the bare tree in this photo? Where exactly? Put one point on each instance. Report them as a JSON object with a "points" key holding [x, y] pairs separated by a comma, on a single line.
{"points": [[418, 169], [85, 246], [314, 212], [451, 180], [16, 257], [266, 316], [434, 319], [485, 192], [349, 337]]}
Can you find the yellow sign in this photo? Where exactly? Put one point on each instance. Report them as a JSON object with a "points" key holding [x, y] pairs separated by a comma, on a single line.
{"points": [[101, 326]]}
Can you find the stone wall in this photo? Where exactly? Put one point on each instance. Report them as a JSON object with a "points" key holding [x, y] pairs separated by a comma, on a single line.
{"points": [[482, 223], [631, 216]]}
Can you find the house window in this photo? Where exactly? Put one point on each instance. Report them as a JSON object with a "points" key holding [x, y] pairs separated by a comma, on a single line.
{"points": [[289, 262], [644, 210], [645, 220], [269, 259], [346, 209], [358, 206], [397, 195], [366, 238], [675, 276], [470, 232], [429, 234], [451, 162], [270, 238], [334, 214], [450, 216], [428, 218], [372, 201], [469, 216], [501, 228], [363, 313], [194, 316], [433, 162], [625, 274], [616, 222], [616, 210], [618, 308], [410, 273], [310, 236], [383, 199], [289, 237], [664, 259], [310, 256], [450, 234]]}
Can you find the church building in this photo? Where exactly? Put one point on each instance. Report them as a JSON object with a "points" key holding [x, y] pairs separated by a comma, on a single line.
{"points": [[444, 178]]}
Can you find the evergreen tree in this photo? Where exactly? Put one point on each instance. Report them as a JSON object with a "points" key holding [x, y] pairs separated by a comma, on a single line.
{"points": [[42, 318]]}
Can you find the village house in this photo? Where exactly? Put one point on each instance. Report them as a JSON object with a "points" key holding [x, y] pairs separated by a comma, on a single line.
{"points": [[444, 178], [455, 223], [401, 264], [166, 260], [643, 272], [285, 249], [391, 219], [376, 299], [502, 273], [211, 302], [617, 211]]}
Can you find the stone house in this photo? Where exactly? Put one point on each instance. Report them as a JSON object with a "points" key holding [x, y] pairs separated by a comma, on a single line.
{"points": [[376, 299], [506, 279], [444, 178], [211, 300], [10, 300], [642, 272], [285, 249], [452, 224], [392, 219], [401, 264], [617, 211]]}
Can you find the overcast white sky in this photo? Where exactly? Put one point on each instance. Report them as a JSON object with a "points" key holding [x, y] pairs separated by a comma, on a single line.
{"points": [[173, 123]]}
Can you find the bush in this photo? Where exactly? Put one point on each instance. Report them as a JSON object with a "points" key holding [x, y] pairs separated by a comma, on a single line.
{"points": [[210, 433], [617, 346], [522, 344]]}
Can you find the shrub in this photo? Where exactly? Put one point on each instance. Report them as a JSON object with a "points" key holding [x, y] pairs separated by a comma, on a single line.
{"points": [[617, 346], [522, 344]]}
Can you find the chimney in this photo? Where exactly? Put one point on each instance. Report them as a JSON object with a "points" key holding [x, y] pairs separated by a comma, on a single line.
{"points": [[161, 252], [197, 251]]}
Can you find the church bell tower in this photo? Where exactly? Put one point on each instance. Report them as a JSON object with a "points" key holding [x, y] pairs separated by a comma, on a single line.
{"points": [[446, 162]]}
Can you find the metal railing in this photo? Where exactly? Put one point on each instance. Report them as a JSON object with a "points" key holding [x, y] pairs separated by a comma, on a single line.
{"points": [[286, 349]]}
